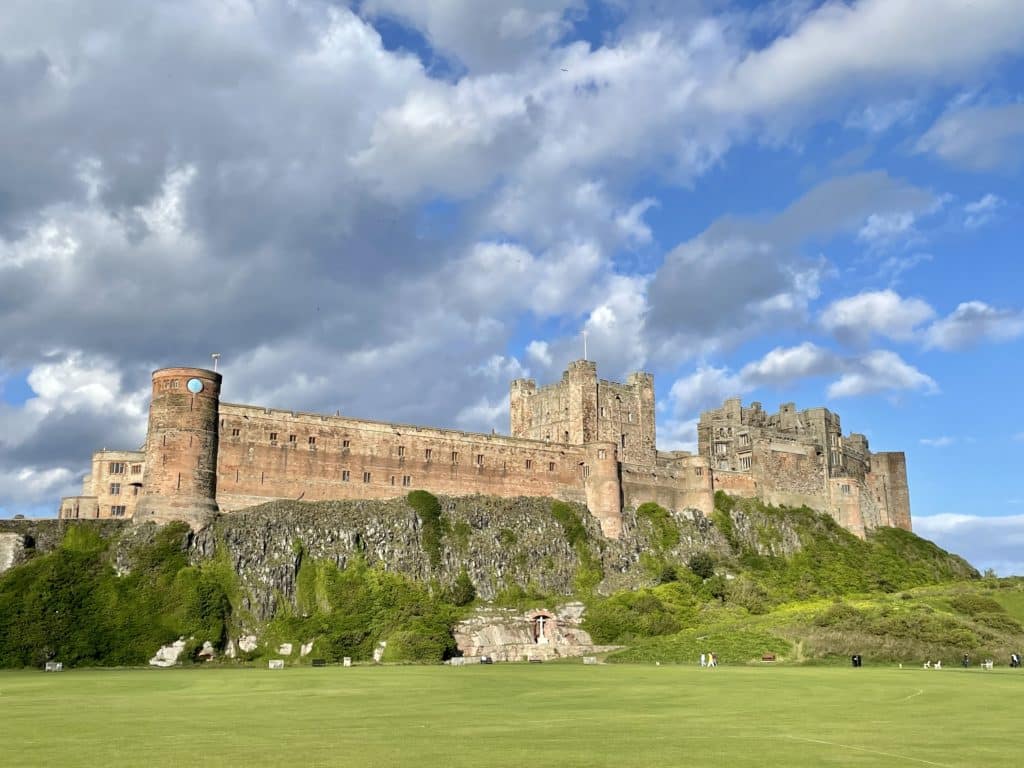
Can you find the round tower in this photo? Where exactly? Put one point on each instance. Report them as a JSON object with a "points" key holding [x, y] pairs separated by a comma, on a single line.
{"points": [[180, 480]]}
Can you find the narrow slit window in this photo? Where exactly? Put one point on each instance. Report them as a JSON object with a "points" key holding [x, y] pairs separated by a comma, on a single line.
{"points": [[366, 477]]}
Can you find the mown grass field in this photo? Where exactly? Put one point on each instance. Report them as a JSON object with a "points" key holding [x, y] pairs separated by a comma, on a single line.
{"points": [[513, 715]]}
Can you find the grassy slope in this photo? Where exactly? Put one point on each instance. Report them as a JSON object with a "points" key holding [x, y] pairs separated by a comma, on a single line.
{"points": [[894, 596], [512, 715]]}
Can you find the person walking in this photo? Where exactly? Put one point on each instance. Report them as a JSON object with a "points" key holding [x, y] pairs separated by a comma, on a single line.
{"points": [[703, 661]]}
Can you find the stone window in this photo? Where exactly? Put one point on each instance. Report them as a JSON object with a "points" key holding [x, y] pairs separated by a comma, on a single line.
{"points": [[392, 479], [273, 438], [602, 453], [551, 466], [117, 467], [312, 442], [744, 462], [479, 459], [115, 489], [529, 463], [406, 480], [586, 471], [401, 451], [366, 477], [344, 445], [136, 486], [428, 454], [623, 440], [629, 417], [721, 448], [566, 433], [744, 439], [117, 510], [601, 411], [136, 469], [845, 489], [345, 475], [698, 471], [292, 439], [236, 432], [455, 457]]}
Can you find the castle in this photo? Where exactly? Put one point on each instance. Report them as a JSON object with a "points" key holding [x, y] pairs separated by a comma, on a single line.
{"points": [[582, 439]]}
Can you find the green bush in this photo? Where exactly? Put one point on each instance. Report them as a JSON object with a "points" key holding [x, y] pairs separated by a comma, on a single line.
{"points": [[627, 616], [702, 564], [666, 532], [973, 605], [462, 592], [572, 525], [428, 508]]}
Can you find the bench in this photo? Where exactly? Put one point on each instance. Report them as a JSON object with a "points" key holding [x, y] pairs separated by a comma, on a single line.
{"points": [[768, 657]]}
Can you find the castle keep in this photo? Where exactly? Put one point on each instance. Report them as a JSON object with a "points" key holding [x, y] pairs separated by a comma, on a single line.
{"points": [[582, 439]]}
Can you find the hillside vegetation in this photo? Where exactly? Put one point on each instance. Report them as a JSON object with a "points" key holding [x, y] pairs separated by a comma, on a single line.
{"points": [[750, 580]]}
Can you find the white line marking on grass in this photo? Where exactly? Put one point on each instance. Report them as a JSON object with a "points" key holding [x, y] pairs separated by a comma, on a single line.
{"points": [[872, 751], [918, 693]]}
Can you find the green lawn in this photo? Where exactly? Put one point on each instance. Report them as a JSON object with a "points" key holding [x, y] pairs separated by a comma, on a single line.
{"points": [[549, 715]]}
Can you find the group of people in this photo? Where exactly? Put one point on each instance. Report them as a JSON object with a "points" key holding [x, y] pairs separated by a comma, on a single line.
{"points": [[709, 660]]}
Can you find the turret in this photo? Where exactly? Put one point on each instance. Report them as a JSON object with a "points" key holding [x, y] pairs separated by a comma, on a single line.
{"points": [[180, 481]]}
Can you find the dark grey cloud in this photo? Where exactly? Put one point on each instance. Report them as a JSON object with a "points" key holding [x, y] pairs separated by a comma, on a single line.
{"points": [[745, 273]]}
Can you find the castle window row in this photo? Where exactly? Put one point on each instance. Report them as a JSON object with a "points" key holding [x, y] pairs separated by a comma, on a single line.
{"points": [[401, 451]]}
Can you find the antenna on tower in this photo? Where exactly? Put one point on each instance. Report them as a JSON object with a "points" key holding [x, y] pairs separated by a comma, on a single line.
{"points": [[216, 357], [584, 345]]}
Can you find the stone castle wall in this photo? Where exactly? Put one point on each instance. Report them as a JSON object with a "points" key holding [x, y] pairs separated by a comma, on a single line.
{"points": [[279, 454], [583, 439], [801, 458]]}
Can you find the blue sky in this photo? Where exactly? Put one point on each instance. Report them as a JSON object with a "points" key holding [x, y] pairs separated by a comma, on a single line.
{"points": [[392, 207]]}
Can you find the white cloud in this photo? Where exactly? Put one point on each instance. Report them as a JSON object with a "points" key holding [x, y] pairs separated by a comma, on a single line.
{"points": [[875, 313], [982, 211], [783, 366], [840, 47], [986, 542], [704, 388], [539, 352], [937, 442], [973, 322], [485, 415], [878, 118], [880, 371], [883, 228], [984, 138]]}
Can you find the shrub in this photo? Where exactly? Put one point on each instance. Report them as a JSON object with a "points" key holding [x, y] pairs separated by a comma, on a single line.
{"points": [[572, 526], [428, 508], [462, 592], [973, 605], [627, 616], [666, 532], [702, 564]]}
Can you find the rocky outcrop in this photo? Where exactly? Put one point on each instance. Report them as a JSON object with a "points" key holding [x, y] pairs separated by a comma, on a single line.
{"points": [[21, 539], [168, 655], [504, 634], [497, 542]]}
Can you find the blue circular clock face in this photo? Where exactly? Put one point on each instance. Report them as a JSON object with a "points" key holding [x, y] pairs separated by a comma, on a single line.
{"points": [[195, 386]]}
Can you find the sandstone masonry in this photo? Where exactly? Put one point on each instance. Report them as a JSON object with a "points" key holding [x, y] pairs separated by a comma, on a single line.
{"points": [[582, 439]]}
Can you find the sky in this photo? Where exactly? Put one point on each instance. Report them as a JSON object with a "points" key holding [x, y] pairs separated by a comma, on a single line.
{"points": [[391, 208]]}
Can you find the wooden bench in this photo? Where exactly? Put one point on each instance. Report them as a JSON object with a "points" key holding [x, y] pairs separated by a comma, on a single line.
{"points": [[768, 657]]}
